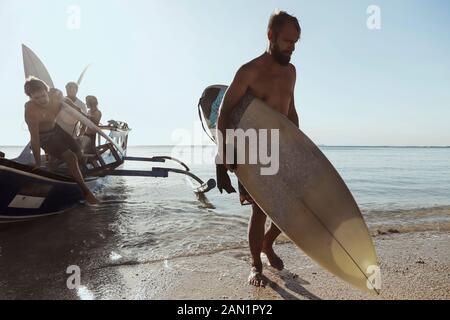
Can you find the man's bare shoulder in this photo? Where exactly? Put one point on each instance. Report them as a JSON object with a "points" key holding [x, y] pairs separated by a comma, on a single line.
{"points": [[30, 108], [250, 69], [30, 112], [97, 114], [292, 72], [292, 69]]}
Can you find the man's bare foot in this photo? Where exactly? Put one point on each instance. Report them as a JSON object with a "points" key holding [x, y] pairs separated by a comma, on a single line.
{"points": [[274, 260], [256, 278], [91, 199]]}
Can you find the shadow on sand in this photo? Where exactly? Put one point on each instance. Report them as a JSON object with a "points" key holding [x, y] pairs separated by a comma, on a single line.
{"points": [[293, 283]]}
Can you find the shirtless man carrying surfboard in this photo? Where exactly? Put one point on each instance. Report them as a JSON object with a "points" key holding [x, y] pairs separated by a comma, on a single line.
{"points": [[270, 77], [40, 115]]}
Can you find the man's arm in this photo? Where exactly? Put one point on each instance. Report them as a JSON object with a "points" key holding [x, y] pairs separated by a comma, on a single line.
{"points": [[292, 115], [235, 92], [33, 127], [97, 117], [56, 98]]}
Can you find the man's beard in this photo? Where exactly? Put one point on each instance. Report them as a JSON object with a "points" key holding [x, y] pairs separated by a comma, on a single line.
{"points": [[279, 56]]}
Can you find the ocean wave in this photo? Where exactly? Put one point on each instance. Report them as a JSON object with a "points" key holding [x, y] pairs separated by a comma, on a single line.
{"points": [[382, 222]]}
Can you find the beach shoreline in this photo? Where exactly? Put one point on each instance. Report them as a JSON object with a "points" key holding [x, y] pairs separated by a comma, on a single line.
{"points": [[413, 266]]}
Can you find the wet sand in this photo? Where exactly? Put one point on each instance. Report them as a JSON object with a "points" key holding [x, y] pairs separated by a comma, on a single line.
{"points": [[414, 266]]}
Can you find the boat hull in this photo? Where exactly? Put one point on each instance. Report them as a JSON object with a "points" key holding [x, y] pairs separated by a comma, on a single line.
{"points": [[25, 194]]}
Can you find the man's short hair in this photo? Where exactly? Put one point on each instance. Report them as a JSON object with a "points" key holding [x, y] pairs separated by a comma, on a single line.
{"points": [[72, 84], [279, 18], [33, 85]]}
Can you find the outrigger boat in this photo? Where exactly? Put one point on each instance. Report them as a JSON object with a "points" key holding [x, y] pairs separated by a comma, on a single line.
{"points": [[27, 192]]}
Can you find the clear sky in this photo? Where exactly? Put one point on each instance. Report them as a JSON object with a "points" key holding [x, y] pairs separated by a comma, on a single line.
{"points": [[152, 59]]}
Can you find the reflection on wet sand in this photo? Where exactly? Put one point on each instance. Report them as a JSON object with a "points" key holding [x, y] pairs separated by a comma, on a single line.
{"points": [[35, 255]]}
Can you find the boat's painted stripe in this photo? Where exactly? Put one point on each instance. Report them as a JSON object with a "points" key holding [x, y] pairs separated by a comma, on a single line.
{"points": [[26, 202]]}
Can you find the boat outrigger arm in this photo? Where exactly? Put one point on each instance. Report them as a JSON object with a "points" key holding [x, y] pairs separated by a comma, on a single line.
{"points": [[156, 172]]}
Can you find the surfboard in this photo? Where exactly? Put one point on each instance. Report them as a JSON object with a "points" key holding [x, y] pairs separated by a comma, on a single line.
{"points": [[68, 118], [306, 198], [80, 78], [33, 66]]}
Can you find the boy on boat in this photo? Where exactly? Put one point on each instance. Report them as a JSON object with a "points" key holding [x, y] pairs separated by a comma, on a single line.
{"points": [[95, 115]]}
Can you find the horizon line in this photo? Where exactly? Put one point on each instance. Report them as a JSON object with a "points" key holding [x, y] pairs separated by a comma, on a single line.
{"points": [[319, 145]]}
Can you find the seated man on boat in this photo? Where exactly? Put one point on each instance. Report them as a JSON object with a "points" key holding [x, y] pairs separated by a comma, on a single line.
{"points": [[66, 120], [72, 90], [41, 112]]}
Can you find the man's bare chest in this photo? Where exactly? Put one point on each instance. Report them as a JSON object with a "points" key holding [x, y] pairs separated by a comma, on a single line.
{"points": [[275, 90]]}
